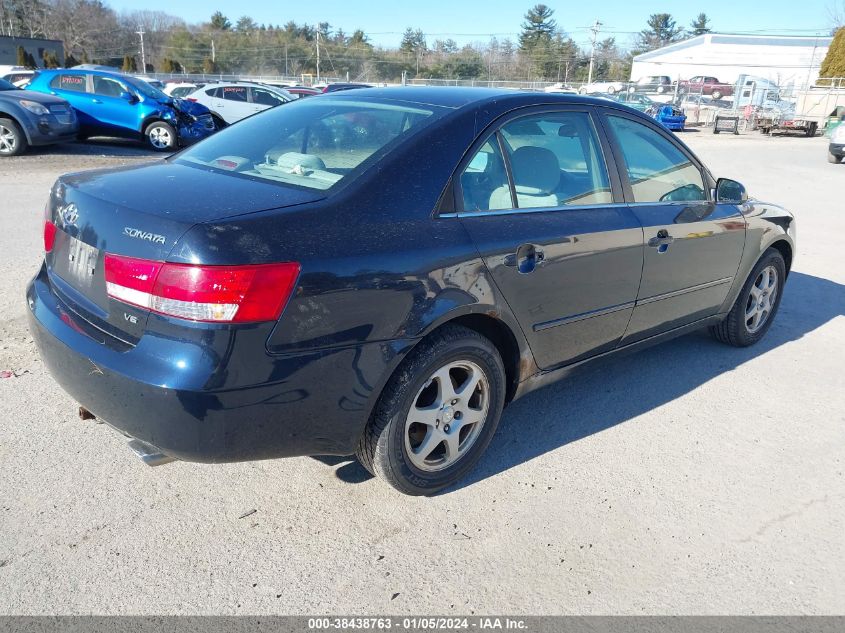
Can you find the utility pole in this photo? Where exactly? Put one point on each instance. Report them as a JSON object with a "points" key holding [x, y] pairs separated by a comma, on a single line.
{"points": [[213, 52], [595, 30], [286, 59], [140, 32], [317, 40]]}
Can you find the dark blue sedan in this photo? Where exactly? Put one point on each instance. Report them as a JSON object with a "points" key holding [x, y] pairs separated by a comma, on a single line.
{"points": [[379, 272]]}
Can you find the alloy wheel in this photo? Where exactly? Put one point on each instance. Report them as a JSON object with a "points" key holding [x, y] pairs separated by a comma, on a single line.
{"points": [[447, 416], [8, 140], [160, 138], [761, 299]]}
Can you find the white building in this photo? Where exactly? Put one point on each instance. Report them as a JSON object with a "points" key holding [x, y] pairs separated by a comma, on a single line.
{"points": [[788, 61]]}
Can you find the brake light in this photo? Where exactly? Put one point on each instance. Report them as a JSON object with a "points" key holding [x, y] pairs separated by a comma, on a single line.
{"points": [[49, 236], [191, 99], [223, 294]]}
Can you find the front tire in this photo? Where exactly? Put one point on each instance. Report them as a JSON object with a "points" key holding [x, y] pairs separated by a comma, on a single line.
{"points": [[832, 158], [12, 139], [161, 136], [437, 413], [716, 95], [757, 304]]}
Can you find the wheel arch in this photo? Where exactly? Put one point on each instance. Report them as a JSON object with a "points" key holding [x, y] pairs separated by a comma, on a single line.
{"points": [[785, 249], [8, 114]]}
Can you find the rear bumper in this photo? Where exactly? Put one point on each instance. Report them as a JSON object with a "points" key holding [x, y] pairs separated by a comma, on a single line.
{"points": [[837, 149], [213, 395]]}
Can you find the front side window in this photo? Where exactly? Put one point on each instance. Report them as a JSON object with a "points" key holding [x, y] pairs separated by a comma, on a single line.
{"points": [[657, 169], [107, 87], [72, 83], [315, 143], [265, 97]]}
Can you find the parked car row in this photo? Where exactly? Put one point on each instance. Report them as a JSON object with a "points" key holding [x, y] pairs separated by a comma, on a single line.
{"points": [[81, 102], [660, 84]]}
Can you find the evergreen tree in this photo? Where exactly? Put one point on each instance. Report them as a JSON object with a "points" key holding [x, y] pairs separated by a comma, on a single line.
{"points": [[22, 60], [834, 62], [220, 22], [700, 25], [538, 28], [129, 64], [662, 30]]}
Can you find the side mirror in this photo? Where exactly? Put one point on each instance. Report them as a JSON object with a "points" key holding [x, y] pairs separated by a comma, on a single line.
{"points": [[128, 96], [730, 191]]}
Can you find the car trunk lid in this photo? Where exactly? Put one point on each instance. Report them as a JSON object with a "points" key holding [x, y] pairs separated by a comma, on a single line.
{"points": [[141, 213]]}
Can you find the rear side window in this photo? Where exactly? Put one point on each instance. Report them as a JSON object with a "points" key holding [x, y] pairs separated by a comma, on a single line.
{"points": [[484, 181], [234, 93], [658, 170], [212, 92], [73, 83]]}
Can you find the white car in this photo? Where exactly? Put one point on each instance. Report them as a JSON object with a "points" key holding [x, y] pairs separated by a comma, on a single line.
{"points": [[155, 83], [180, 90], [560, 88], [610, 87], [232, 101], [17, 76]]}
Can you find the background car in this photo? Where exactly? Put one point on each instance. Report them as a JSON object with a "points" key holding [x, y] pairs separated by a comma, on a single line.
{"points": [[705, 85], [155, 83], [633, 99], [380, 275], [560, 88], [610, 87], [668, 115], [653, 83], [112, 104], [229, 102], [836, 148], [28, 118], [344, 86], [19, 78], [300, 92], [180, 90]]}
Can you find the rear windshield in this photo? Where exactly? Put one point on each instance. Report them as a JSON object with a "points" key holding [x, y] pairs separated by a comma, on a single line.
{"points": [[315, 143]]}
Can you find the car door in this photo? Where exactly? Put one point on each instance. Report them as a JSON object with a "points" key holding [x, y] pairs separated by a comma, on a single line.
{"points": [[693, 245], [263, 99], [545, 213], [115, 114], [234, 104]]}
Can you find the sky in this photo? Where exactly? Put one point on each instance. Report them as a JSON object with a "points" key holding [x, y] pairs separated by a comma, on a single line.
{"points": [[469, 21]]}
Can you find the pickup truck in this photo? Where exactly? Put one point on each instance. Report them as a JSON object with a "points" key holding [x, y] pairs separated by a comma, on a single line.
{"points": [[706, 86]]}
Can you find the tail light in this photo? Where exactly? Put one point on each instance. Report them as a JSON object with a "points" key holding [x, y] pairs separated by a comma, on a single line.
{"points": [[191, 99], [49, 235], [221, 294]]}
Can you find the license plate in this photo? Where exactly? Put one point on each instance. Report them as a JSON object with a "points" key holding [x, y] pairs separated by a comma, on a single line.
{"points": [[81, 264]]}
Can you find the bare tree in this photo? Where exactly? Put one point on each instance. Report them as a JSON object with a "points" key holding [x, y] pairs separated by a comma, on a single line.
{"points": [[836, 14]]}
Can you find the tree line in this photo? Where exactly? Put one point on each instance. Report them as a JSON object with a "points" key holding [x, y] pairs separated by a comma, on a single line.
{"points": [[543, 50]]}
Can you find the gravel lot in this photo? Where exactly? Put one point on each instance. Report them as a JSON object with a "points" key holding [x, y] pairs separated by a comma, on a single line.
{"points": [[691, 478]]}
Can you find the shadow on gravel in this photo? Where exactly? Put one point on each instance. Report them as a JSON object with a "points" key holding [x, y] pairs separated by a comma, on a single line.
{"points": [[96, 147], [599, 398]]}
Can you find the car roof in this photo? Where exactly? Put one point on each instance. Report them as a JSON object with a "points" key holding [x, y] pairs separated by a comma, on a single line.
{"points": [[460, 97]]}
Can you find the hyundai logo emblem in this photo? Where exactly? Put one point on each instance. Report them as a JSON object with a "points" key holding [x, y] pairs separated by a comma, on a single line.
{"points": [[70, 214]]}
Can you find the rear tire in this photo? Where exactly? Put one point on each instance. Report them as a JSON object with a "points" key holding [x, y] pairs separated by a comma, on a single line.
{"points": [[832, 158], [757, 304], [161, 136], [437, 413], [716, 94], [12, 139]]}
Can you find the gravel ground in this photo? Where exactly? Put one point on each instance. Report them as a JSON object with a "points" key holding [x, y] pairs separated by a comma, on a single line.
{"points": [[691, 478]]}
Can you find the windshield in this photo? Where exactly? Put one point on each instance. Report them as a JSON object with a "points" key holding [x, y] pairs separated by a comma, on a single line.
{"points": [[316, 143], [5, 85], [146, 89]]}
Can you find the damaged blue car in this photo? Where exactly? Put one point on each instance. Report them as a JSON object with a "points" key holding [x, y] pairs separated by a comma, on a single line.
{"points": [[113, 104]]}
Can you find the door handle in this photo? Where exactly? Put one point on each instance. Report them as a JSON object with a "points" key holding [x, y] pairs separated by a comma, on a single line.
{"points": [[662, 241], [95, 101], [526, 258]]}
